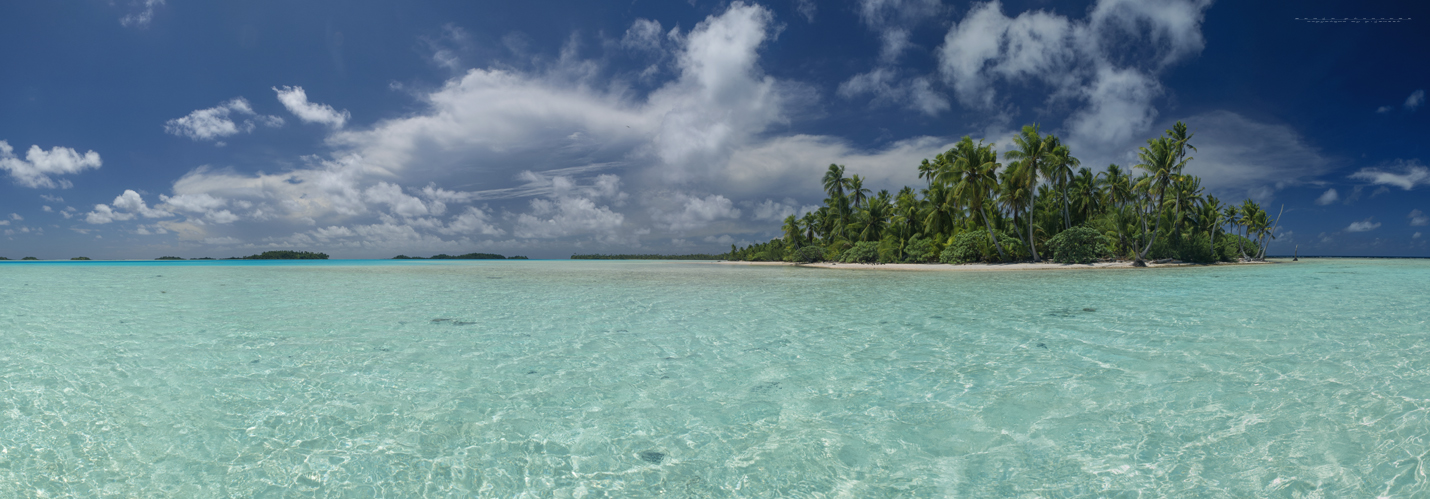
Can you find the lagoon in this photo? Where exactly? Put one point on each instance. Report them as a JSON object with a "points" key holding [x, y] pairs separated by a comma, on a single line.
{"points": [[643, 379]]}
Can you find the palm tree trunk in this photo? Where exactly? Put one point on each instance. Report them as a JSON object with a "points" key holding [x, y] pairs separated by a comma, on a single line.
{"points": [[999, 247], [1067, 222], [1032, 205], [1156, 228]]}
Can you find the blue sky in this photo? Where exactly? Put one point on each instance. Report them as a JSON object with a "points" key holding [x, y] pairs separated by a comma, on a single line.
{"points": [[135, 129]]}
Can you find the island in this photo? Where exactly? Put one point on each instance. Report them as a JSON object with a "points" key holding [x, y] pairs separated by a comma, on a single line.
{"points": [[284, 255], [693, 256], [1038, 203], [468, 256], [80, 258]]}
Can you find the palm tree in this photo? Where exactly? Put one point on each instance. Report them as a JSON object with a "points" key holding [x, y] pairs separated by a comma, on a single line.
{"points": [[1060, 170], [857, 193], [1163, 158], [792, 231], [973, 174], [834, 181], [810, 222], [1030, 157]]}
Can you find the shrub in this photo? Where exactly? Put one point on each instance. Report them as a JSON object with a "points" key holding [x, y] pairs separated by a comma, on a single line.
{"points": [[835, 251], [920, 250], [889, 251], [861, 252], [1079, 244], [964, 248], [807, 254]]}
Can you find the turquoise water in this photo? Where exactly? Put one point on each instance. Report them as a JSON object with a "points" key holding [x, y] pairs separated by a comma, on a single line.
{"points": [[643, 379]]}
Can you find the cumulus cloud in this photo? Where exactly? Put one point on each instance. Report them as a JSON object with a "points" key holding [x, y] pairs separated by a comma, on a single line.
{"points": [[552, 153], [644, 34], [103, 214], [1363, 226], [1418, 218], [133, 202], [296, 100], [1329, 197], [888, 89], [36, 169], [144, 16], [893, 21], [1105, 65], [1403, 174], [215, 123], [694, 212], [1416, 99]]}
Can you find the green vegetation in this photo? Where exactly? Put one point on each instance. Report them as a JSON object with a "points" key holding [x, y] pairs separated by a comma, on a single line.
{"points": [[80, 258], [169, 258], [1038, 203], [3, 258], [700, 256], [285, 255], [468, 256], [29, 258]]}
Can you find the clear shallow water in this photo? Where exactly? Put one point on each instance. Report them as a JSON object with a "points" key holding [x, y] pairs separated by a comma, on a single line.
{"points": [[641, 379]]}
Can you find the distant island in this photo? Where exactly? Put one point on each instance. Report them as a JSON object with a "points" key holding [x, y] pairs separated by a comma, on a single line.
{"points": [[81, 258], [468, 256], [694, 256], [284, 255]]}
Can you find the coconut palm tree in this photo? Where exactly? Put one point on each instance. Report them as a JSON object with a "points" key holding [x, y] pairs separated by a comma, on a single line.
{"points": [[1030, 157], [1060, 171], [1163, 158], [973, 175], [857, 193], [793, 231]]}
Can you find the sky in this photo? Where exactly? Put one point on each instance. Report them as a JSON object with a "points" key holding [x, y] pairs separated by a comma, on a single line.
{"points": [[133, 129]]}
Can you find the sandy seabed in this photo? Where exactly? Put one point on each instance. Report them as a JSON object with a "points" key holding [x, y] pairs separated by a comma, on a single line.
{"points": [[977, 267]]}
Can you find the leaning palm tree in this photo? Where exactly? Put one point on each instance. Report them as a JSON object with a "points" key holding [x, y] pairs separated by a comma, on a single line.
{"points": [[1163, 159], [973, 174], [1030, 157]]}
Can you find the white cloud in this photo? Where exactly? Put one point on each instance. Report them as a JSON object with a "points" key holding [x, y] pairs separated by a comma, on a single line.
{"points": [[1236, 155], [103, 214], [1418, 218], [16, 216], [915, 93], [1384, 109], [133, 202], [1416, 99], [142, 18], [474, 221], [296, 100], [35, 170], [1329, 197], [1363, 226], [694, 212], [214, 123], [1085, 63], [1403, 174], [893, 20], [52, 199], [806, 8], [1416, 236], [400, 203], [644, 34]]}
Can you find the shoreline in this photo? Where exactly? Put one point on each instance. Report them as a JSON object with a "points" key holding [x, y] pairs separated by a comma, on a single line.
{"points": [[982, 267]]}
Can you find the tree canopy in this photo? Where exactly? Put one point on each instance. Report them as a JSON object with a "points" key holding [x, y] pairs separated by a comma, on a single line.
{"points": [[1038, 202]]}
